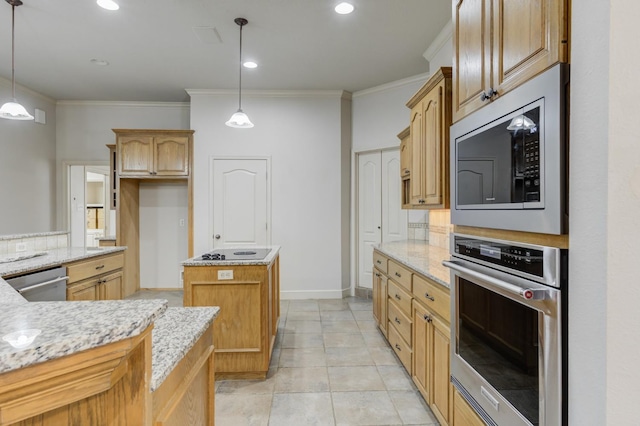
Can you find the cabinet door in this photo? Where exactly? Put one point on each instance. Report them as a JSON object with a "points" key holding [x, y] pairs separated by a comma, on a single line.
{"points": [[472, 54], [416, 155], [528, 37], [111, 287], [405, 157], [383, 305], [441, 370], [376, 295], [85, 291], [422, 361], [171, 156], [463, 414], [136, 156], [432, 122]]}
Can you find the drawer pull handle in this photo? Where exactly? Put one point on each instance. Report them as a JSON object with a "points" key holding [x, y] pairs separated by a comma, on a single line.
{"points": [[398, 275], [100, 267], [398, 297], [378, 262], [377, 274], [427, 318], [426, 295], [397, 320], [398, 347]]}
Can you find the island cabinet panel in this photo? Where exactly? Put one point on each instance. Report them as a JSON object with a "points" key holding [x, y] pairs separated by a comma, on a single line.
{"points": [[245, 330], [107, 385], [98, 278]]}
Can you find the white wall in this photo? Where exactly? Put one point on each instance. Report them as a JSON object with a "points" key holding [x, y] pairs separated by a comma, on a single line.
{"points": [[163, 242], [27, 166], [302, 134]]}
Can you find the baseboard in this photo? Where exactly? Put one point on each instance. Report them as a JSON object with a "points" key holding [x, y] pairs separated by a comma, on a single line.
{"points": [[161, 289], [315, 294]]}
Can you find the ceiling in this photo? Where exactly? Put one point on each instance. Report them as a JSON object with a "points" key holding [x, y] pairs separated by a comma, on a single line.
{"points": [[154, 52]]}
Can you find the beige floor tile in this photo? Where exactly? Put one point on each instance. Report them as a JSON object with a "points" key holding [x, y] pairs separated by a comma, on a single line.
{"points": [[298, 409], [238, 387], [293, 326], [302, 340], [303, 357], [374, 339], [343, 340], [340, 327], [412, 408], [367, 326], [396, 378], [333, 305], [363, 315], [339, 357], [364, 408], [306, 379], [336, 315], [384, 356], [303, 316], [355, 379], [361, 306], [242, 410], [303, 305]]}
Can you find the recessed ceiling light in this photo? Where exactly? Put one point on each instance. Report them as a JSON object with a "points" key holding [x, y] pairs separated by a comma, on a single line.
{"points": [[100, 62], [108, 4], [250, 64], [344, 8]]}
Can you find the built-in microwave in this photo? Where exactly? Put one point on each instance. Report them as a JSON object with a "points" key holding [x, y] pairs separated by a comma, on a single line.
{"points": [[509, 159]]}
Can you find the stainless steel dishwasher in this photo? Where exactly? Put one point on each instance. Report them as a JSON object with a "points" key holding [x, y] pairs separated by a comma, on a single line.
{"points": [[42, 286]]}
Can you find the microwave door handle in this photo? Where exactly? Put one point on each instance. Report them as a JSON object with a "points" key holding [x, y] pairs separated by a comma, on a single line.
{"points": [[525, 293]]}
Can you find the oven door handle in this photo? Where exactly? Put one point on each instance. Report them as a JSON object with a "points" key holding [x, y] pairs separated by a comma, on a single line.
{"points": [[525, 293]]}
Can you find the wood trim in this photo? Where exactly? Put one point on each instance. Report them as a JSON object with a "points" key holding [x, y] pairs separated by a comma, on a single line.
{"points": [[190, 197], [403, 134], [559, 241], [437, 77], [138, 132]]}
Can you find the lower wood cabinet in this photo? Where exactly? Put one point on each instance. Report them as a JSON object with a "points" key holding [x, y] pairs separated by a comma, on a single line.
{"points": [[97, 278], [463, 414], [380, 300]]}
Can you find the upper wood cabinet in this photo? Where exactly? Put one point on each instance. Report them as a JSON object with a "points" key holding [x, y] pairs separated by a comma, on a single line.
{"points": [[153, 153], [429, 124], [405, 166], [498, 45]]}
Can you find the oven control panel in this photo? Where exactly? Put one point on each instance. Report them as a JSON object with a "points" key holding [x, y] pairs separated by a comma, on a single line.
{"points": [[510, 256]]}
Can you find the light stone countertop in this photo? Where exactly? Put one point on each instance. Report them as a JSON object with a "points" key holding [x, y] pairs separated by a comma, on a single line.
{"points": [[266, 261], [32, 235], [54, 257], [420, 256], [174, 334], [70, 327], [107, 238]]}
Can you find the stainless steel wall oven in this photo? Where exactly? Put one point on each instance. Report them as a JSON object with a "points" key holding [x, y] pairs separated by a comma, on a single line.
{"points": [[508, 159], [508, 329]]}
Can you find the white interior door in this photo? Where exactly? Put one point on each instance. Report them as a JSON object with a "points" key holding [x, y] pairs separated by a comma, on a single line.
{"points": [[394, 219], [369, 213], [77, 212], [240, 202]]}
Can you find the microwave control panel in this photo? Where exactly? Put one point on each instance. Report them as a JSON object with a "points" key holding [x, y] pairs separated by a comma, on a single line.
{"points": [[532, 170]]}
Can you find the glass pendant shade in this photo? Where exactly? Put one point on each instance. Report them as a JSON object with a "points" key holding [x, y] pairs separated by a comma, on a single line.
{"points": [[14, 111], [239, 120], [521, 122]]}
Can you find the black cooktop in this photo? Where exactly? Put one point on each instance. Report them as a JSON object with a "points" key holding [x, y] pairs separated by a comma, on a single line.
{"points": [[235, 254]]}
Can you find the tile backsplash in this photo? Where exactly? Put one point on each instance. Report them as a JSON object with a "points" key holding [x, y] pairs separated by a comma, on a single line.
{"points": [[418, 231], [440, 228], [34, 242]]}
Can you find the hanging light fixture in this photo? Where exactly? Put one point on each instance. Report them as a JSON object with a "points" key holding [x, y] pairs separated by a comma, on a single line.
{"points": [[13, 110], [239, 119]]}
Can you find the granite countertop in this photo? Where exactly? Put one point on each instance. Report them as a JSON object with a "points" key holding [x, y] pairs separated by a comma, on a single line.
{"points": [[107, 238], [419, 256], [54, 257], [70, 327], [32, 235], [266, 261], [174, 334]]}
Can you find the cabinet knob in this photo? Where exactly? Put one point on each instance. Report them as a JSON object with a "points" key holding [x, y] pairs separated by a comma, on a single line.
{"points": [[427, 318], [485, 96]]}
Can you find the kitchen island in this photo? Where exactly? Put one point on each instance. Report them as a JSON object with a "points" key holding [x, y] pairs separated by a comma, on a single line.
{"points": [[248, 294], [104, 362]]}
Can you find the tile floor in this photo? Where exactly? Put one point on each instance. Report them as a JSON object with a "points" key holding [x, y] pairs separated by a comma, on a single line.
{"points": [[330, 366]]}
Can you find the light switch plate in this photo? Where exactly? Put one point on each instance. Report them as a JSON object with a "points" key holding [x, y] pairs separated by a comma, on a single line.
{"points": [[225, 275]]}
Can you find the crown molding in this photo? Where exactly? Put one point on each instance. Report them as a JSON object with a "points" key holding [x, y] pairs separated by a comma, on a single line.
{"points": [[420, 78], [272, 93], [130, 104], [445, 34]]}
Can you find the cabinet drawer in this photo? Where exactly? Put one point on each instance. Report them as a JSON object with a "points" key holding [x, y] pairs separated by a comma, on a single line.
{"points": [[400, 297], [400, 274], [380, 262], [400, 321], [432, 295], [92, 267], [400, 347]]}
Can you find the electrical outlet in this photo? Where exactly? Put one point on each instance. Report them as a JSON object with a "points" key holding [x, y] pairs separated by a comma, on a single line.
{"points": [[225, 275], [21, 247], [181, 222]]}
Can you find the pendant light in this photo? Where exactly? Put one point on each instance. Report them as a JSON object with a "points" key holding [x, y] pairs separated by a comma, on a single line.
{"points": [[13, 110], [239, 119]]}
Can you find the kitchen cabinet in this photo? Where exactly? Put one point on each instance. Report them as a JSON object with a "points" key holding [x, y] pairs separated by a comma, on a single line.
{"points": [[399, 322], [405, 166], [463, 414], [429, 123], [97, 278], [245, 330], [153, 153], [498, 45], [380, 300]]}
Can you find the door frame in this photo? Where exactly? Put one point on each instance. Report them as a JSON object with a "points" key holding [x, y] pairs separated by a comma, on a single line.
{"points": [[211, 197]]}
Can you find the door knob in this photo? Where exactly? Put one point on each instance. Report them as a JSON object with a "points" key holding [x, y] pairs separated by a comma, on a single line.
{"points": [[217, 236]]}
